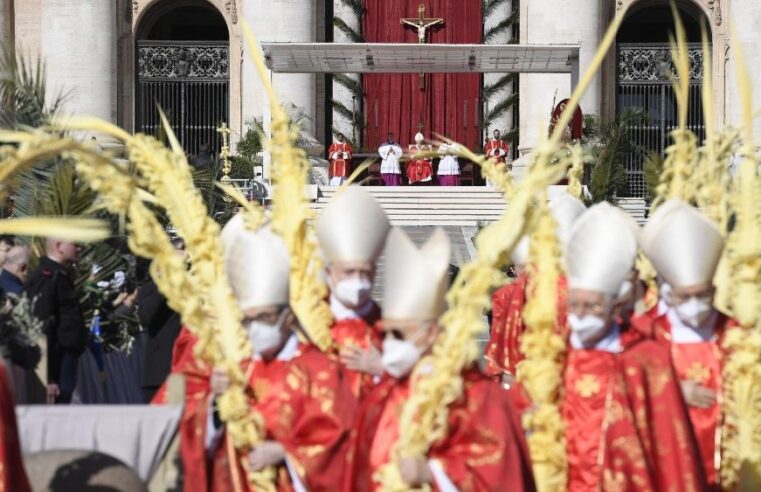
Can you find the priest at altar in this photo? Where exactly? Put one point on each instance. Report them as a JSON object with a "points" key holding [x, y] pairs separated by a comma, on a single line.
{"points": [[419, 168], [391, 170], [448, 172], [496, 147], [339, 155]]}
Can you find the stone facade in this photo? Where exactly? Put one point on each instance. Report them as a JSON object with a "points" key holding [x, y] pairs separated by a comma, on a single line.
{"points": [[89, 48]]}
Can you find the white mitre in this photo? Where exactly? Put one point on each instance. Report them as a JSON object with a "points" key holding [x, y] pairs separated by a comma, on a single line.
{"points": [[520, 253], [353, 227], [655, 218], [565, 209], [415, 280], [257, 265], [683, 245], [601, 250], [419, 137]]}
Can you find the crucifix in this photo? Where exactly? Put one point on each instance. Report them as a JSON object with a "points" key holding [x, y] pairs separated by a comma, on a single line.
{"points": [[421, 23]]}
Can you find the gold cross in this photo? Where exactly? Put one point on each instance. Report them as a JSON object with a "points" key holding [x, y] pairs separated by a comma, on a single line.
{"points": [[421, 23], [224, 154], [587, 386]]}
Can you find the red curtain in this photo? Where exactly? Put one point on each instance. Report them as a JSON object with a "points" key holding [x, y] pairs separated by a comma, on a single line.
{"points": [[450, 104]]}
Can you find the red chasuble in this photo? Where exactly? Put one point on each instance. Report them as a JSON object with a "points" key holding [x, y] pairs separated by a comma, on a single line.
{"points": [[12, 475], [649, 444], [338, 162], [484, 449], [700, 362], [419, 170], [195, 411], [497, 148], [307, 406], [503, 350], [361, 333]]}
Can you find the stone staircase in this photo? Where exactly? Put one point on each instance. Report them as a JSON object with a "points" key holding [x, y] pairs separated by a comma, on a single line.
{"points": [[465, 206]]}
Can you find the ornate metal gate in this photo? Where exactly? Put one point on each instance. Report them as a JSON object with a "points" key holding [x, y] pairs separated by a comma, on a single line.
{"points": [[190, 82], [644, 82]]}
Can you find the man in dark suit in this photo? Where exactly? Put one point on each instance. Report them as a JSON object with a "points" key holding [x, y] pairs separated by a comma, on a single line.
{"points": [[57, 305], [162, 326]]}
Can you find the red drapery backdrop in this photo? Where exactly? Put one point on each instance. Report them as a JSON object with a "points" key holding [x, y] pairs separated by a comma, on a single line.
{"points": [[450, 104]]}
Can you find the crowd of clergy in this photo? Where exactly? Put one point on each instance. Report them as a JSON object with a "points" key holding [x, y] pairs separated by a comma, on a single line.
{"points": [[642, 384], [413, 166]]}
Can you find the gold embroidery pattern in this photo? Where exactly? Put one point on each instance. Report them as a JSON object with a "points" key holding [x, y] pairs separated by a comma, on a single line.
{"points": [[587, 386], [699, 373]]}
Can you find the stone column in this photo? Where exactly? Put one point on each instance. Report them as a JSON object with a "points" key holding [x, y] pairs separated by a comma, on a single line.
{"points": [[505, 122], [6, 23], [552, 22], [340, 92], [78, 41], [745, 17], [280, 21]]}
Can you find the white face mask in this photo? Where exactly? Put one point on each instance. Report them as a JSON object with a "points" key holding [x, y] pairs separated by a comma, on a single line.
{"points": [[694, 312], [399, 356], [588, 328], [265, 337], [353, 292]]}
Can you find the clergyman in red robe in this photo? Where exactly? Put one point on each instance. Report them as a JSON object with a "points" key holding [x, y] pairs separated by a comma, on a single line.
{"points": [[627, 427], [339, 155], [497, 148], [419, 168], [484, 448], [352, 230], [12, 474], [684, 246]]}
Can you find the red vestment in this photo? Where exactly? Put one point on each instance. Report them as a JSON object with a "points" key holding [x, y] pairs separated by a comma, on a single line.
{"points": [[484, 448], [307, 407], [419, 170], [649, 444], [360, 333], [12, 474], [339, 155], [503, 351], [194, 413], [700, 362], [497, 148]]}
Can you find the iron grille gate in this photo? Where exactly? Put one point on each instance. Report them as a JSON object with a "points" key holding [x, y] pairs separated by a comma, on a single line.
{"points": [[190, 82], [644, 82]]}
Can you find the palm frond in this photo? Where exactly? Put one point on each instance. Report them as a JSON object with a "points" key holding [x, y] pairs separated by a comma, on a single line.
{"points": [[653, 170], [24, 97], [355, 6], [500, 108], [350, 33], [489, 7], [500, 27], [342, 110], [353, 85], [490, 90]]}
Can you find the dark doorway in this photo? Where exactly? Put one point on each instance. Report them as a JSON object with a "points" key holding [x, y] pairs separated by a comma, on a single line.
{"points": [[644, 68], [183, 68]]}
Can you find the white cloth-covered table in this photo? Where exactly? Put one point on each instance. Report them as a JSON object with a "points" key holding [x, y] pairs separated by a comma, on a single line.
{"points": [[137, 435]]}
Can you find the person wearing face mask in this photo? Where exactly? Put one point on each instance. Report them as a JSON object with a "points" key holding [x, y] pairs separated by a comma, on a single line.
{"points": [[352, 230], [503, 349], [685, 248], [484, 447], [614, 374], [301, 394]]}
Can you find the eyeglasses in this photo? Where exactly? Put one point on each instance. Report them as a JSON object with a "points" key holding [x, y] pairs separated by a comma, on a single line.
{"points": [[682, 298]]}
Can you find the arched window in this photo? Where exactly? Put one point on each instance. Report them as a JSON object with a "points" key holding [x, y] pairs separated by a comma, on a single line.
{"points": [[644, 67], [183, 68]]}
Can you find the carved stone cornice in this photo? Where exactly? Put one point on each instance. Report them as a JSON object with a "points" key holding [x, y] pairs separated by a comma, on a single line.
{"points": [[232, 10]]}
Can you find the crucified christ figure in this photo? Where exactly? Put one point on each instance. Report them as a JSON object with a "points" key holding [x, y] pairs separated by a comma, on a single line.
{"points": [[421, 23]]}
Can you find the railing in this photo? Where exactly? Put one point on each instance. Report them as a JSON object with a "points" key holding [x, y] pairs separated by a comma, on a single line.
{"points": [[645, 74]]}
